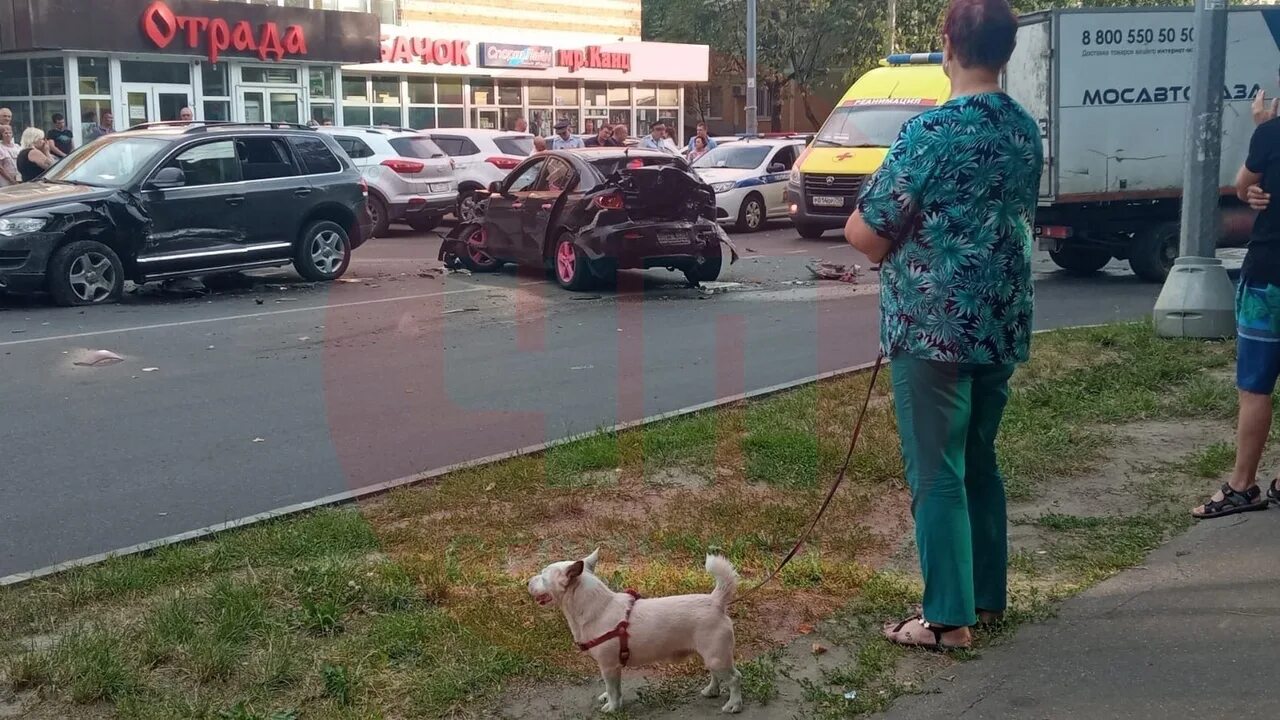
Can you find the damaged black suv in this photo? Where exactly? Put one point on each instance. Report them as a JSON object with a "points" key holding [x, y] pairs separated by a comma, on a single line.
{"points": [[172, 199]]}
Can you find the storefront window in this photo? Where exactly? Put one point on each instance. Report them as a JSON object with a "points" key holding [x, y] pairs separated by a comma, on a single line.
{"points": [[646, 96], [542, 121], [482, 92], [355, 87], [155, 72], [95, 76], [422, 91], [322, 113], [485, 118], [509, 92], [357, 115], [91, 111], [575, 123], [46, 109], [213, 79], [321, 83], [449, 92], [386, 89], [450, 118], [269, 75], [13, 78], [619, 96], [567, 94], [595, 95], [422, 118], [383, 115], [320, 88], [540, 93], [217, 110], [668, 96], [48, 77]]}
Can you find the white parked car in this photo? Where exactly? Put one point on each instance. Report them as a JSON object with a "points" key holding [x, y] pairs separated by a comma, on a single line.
{"points": [[482, 157], [411, 180], [748, 177]]}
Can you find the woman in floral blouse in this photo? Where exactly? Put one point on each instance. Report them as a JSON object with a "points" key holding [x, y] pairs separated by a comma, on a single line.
{"points": [[949, 216]]}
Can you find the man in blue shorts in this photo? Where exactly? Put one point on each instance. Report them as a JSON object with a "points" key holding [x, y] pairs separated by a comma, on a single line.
{"points": [[1257, 322]]}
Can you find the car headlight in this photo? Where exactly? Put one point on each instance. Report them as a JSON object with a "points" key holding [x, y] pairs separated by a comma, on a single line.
{"points": [[721, 187], [20, 226], [794, 177]]}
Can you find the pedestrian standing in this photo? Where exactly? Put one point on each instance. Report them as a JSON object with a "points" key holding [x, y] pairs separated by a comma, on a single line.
{"points": [[521, 125], [186, 115], [94, 130], [9, 150], [539, 144], [61, 135], [564, 139], [1257, 322], [699, 145], [6, 116], [657, 137], [36, 154], [620, 135], [603, 138], [949, 215], [706, 139]]}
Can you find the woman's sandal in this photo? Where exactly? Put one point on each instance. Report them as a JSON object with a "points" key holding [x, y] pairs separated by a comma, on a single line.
{"points": [[893, 632], [1233, 502]]}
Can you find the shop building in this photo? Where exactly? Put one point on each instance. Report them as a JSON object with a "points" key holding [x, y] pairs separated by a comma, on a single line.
{"points": [[144, 60], [486, 63], [407, 63]]}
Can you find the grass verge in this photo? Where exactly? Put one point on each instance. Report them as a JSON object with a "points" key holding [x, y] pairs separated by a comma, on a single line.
{"points": [[413, 604]]}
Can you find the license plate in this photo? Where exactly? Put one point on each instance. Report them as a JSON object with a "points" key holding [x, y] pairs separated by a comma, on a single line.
{"points": [[440, 187], [672, 237], [828, 201]]}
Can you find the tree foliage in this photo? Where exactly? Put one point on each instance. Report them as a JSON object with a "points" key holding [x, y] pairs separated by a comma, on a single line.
{"points": [[804, 45]]}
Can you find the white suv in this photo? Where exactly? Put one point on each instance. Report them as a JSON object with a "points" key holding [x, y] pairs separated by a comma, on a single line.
{"points": [[410, 178], [482, 157]]}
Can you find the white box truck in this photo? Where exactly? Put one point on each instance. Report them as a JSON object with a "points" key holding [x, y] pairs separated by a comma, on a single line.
{"points": [[1111, 90]]}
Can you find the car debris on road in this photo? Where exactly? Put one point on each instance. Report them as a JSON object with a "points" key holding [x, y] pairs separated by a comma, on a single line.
{"points": [[835, 271]]}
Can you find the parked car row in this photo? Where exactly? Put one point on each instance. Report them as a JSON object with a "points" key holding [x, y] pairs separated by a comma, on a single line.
{"points": [[175, 199], [166, 200]]}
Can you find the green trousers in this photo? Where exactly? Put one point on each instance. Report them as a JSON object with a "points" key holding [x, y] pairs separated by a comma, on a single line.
{"points": [[948, 417]]}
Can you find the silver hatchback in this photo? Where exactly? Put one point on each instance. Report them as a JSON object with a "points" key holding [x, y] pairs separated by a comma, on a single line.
{"points": [[411, 180]]}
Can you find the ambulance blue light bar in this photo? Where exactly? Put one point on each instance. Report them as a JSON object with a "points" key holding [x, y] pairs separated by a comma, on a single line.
{"points": [[915, 59]]}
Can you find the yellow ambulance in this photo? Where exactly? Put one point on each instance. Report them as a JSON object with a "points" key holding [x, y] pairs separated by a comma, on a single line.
{"points": [[825, 180]]}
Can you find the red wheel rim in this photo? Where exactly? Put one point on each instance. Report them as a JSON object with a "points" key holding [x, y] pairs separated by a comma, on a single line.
{"points": [[566, 261], [474, 251]]}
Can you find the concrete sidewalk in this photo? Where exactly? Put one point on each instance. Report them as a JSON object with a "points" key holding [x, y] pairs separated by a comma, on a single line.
{"points": [[1194, 633]]}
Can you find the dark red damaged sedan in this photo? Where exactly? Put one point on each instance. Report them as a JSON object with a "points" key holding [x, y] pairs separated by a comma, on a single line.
{"points": [[585, 214]]}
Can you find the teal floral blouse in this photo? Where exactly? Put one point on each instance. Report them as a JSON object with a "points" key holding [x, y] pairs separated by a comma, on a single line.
{"points": [[957, 195]]}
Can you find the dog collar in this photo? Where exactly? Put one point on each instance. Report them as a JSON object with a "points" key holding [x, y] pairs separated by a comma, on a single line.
{"points": [[619, 631]]}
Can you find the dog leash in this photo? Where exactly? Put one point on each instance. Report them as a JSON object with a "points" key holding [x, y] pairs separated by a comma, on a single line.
{"points": [[831, 493]]}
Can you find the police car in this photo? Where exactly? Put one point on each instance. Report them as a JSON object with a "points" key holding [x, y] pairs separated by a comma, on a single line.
{"points": [[749, 177]]}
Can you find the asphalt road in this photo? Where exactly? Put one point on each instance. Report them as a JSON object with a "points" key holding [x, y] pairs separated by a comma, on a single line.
{"points": [[277, 392]]}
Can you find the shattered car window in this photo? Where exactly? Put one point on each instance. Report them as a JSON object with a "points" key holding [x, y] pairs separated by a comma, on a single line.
{"points": [[110, 163]]}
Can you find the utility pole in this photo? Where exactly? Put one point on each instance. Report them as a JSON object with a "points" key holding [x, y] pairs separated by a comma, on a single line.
{"points": [[1198, 298], [753, 126], [893, 24]]}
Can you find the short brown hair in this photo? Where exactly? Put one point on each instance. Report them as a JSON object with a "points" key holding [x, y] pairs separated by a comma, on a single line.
{"points": [[982, 32]]}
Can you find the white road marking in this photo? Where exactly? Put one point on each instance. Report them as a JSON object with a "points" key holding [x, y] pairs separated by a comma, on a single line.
{"points": [[837, 247], [246, 316], [795, 252]]}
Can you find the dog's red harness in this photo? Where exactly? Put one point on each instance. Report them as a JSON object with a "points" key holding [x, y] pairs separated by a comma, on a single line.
{"points": [[619, 631]]}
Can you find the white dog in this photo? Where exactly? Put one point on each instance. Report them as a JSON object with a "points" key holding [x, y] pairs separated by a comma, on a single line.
{"points": [[620, 629]]}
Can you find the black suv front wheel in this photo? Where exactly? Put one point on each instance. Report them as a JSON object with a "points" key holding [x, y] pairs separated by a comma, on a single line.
{"points": [[85, 272], [324, 252]]}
